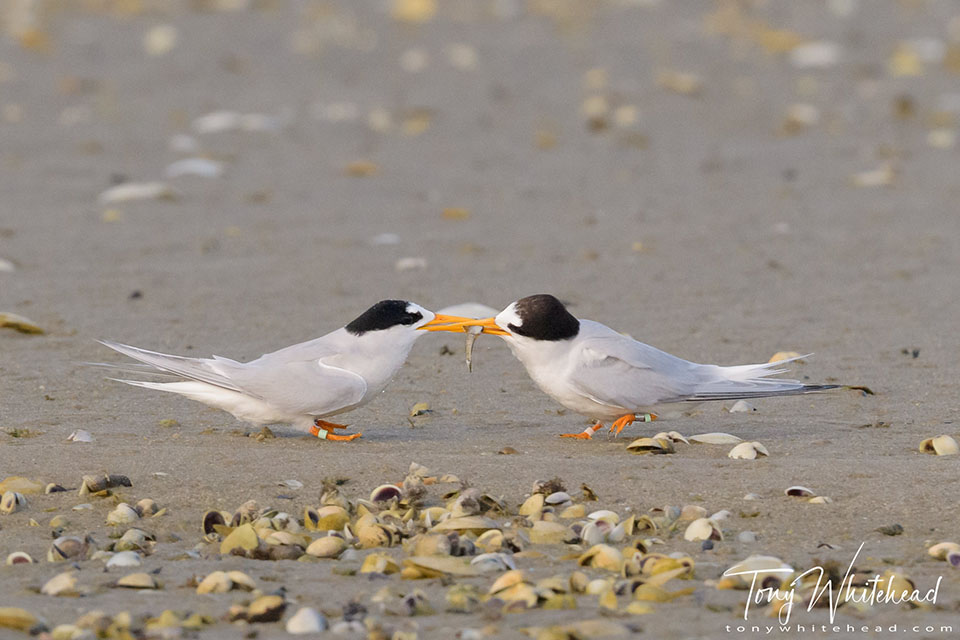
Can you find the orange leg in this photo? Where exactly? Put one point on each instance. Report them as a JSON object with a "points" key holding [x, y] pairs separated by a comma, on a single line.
{"points": [[586, 434], [623, 421], [324, 430]]}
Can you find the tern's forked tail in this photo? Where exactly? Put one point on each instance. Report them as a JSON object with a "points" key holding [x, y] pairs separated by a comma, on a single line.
{"points": [[742, 382]]}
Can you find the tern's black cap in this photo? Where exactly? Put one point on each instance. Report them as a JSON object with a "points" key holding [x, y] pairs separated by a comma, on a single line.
{"points": [[383, 315], [543, 317]]}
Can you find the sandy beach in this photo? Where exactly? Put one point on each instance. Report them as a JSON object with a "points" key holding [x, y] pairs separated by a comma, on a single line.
{"points": [[722, 180]]}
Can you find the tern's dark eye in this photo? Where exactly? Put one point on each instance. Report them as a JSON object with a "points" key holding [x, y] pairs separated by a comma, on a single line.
{"points": [[412, 318]]}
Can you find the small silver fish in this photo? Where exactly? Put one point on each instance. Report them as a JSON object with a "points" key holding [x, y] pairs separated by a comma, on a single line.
{"points": [[472, 334]]}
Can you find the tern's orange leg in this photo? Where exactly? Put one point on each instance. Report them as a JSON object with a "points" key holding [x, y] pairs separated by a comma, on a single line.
{"points": [[586, 434], [324, 430], [623, 421]]}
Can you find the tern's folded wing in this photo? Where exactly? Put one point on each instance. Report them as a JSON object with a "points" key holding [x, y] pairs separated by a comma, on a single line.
{"points": [[620, 372], [307, 387]]}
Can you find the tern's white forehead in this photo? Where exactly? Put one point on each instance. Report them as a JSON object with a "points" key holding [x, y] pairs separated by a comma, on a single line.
{"points": [[509, 316], [413, 307]]}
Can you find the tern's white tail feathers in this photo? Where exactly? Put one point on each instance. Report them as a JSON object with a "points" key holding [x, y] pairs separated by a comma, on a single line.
{"points": [[199, 369], [752, 381]]}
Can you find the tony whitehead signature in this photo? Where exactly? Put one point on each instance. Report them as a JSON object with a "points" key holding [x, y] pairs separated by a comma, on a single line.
{"points": [[871, 593]]}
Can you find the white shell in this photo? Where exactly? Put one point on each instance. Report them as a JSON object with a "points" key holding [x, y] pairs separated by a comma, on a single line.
{"points": [[558, 497], [940, 551], [715, 438], [742, 406], [123, 514], [764, 566], [306, 620], [492, 562], [80, 435], [591, 534], [12, 501], [797, 490], [133, 191], [942, 445], [748, 451], [61, 584], [124, 559], [200, 167], [605, 515], [702, 529], [673, 436]]}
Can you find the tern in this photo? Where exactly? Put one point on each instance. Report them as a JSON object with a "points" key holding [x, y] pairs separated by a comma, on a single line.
{"points": [[303, 383], [595, 371]]}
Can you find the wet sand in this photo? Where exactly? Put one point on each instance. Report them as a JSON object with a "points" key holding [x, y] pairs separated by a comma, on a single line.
{"points": [[706, 227]]}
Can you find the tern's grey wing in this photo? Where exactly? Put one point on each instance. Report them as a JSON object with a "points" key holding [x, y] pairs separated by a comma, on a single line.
{"points": [[620, 372], [304, 387]]}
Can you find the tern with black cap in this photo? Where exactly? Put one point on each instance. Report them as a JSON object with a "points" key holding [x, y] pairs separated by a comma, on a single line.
{"points": [[304, 383], [604, 375]]}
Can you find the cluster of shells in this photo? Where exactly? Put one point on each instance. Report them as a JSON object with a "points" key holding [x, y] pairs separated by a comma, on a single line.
{"points": [[426, 529]]}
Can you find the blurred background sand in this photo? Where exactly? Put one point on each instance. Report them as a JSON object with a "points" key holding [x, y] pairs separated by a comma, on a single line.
{"points": [[723, 180]]}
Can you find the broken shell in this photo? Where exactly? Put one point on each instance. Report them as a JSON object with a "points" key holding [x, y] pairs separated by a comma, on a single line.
{"points": [[714, 438], [604, 515], [67, 548], [820, 500], [416, 567], [124, 559], [19, 323], [306, 620], [135, 540], [146, 507], [53, 487], [742, 406], [602, 556], [943, 445], [797, 490], [748, 451], [384, 493], [491, 540], [376, 535], [938, 551], [327, 547], [19, 557], [379, 563], [702, 529], [138, 581], [123, 514], [692, 512], [642, 446], [58, 522], [768, 571], [492, 562], [266, 609], [673, 436], [134, 191], [62, 584], [506, 581], [12, 501], [96, 484], [80, 435]]}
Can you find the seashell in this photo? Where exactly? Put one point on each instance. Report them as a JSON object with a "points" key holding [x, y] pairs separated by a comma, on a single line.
{"points": [[146, 507], [19, 323], [123, 514], [12, 501], [780, 356], [692, 512], [134, 540], [429, 544], [820, 500], [62, 584], [598, 586], [742, 406], [490, 541], [136, 191], [475, 524], [702, 529], [306, 620], [532, 506], [53, 487], [266, 609], [243, 538], [448, 478], [642, 446], [385, 493], [506, 581], [124, 559], [604, 515], [797, 490], [376, 535], [19, 557], [748, 451], [938, 551], [326, 518], [67, 548], [58, 522], [216, 582], [463, 598], [327, 547], [558, 497], [721, 515], [714, 438], [673, 436], [943, 445], [573, 511], [18, 619], [591, 534], [199, 167], [492, 562], [80, 435], [544, 532], [767, 569], [96, 484], [212, 519], [578, 582], [601, 556], [379, 563], [138, 581], [417, 567]]}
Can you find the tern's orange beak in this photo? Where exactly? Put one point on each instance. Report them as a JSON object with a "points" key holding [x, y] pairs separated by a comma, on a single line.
{"points": [[445, 323], [488, 326]]}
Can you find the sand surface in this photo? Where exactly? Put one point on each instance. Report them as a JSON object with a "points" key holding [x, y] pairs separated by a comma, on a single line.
{"points": [[701, 224]]}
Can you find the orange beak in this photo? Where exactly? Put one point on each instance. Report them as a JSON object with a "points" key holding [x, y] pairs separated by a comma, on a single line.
{"points": [[488, 326], [445, 323]]}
